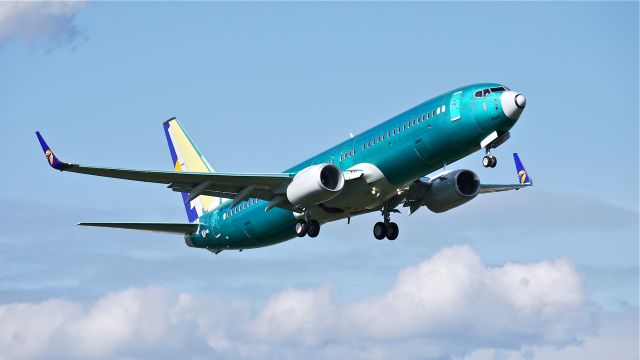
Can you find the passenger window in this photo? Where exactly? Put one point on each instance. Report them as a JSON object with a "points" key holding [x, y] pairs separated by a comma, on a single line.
{"points": [[433, 113], [444, 107], [438, 112], [424, 117]]}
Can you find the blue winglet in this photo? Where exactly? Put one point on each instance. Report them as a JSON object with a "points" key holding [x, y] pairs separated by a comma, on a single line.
{"points": [[523, 176], [48, 154]]}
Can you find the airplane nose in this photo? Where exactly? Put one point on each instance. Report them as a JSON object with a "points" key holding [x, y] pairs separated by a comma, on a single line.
{"points": [[512, 104], [521, 101]]}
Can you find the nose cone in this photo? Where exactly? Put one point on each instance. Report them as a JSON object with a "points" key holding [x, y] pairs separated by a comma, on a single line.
{"points": [[512, 104]]}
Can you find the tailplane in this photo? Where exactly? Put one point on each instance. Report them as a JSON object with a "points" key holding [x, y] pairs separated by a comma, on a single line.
{"points": [[187, 157]]}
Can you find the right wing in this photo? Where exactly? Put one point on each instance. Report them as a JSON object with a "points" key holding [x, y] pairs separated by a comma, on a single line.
{"points": [[239, 187]]}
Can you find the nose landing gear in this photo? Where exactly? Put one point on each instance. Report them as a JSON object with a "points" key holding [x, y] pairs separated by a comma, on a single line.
{"points": [[489, 161]]}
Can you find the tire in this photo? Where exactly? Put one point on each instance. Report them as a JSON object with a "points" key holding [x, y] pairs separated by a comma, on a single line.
{"points": [[486, 161], [313, 228], [301, 228], [379, 230], [494, 161], [392, 231]]}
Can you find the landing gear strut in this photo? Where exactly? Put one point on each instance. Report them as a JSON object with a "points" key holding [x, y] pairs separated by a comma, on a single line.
{"points": [[489, 160], [387, 228]]}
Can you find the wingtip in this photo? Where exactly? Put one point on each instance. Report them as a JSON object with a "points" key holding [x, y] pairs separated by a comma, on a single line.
{"points": [[523, 175], [52, 160]]}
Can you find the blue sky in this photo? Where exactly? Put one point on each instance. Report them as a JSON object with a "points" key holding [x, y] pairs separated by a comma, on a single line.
{"points": [[262, 86]]}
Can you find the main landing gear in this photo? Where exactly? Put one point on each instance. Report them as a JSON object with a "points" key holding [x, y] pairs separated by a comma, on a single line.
{"points": [[387, 228], [489, 160], [304, 227]]}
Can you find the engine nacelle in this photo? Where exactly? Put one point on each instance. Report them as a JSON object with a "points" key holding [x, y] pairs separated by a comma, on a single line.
{"points": [[314, 185], [451, 190]]}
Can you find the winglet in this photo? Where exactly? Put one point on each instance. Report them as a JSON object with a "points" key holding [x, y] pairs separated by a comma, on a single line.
{"points": [[48, 154], [523, 176]]}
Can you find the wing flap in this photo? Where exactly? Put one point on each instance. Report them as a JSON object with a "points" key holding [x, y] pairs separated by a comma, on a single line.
{"points": [[171, 228]]}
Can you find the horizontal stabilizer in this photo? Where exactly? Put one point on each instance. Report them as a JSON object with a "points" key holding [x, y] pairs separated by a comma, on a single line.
{"points": [[172, 228]]}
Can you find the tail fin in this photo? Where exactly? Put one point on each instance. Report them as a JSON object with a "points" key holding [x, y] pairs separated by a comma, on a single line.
{"points": [[186, 157], [523, 176]]}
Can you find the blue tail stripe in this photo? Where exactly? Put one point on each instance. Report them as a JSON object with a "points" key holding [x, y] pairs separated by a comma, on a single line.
{"points": [[192, 214]]}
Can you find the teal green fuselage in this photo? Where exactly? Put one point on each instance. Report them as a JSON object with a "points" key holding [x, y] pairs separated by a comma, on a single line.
{"points": [[407, 147]]}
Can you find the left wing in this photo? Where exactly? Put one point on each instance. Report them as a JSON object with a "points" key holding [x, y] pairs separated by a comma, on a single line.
{"points": [[523, 179], [414, 196], [239, 187]]}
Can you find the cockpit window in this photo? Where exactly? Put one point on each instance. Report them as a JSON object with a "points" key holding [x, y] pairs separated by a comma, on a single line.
{"points": [[485, 92]]}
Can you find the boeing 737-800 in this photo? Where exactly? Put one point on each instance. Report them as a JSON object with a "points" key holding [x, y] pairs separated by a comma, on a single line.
{"points": [[377, 170]]}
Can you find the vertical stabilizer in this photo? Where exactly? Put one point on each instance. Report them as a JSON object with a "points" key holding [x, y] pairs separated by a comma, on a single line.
{"points": [[186, 156]]}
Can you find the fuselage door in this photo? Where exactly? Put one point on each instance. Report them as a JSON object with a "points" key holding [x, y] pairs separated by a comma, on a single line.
{"points": [[454, 106]]}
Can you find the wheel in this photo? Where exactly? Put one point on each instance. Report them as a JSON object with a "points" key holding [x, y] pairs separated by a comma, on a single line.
{"points": [[494, 161], [379, 230], [301, 228], [486, 161], [313, 228], [392, 231]]}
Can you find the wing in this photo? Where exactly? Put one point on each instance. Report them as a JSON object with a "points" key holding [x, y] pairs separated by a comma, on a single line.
{"points": [[239, 187], [172, 228], [414, 196], [491, 188], [523, 178]]}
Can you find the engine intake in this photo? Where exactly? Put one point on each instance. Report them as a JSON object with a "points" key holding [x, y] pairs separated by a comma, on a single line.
{"points": [[314, 185], [452, 190]]}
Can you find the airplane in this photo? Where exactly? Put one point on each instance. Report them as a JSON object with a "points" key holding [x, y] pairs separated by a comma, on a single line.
{"points": [[377, 170]]}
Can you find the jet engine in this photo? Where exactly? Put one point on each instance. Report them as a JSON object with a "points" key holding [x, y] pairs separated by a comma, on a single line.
{"points": [[314, 185], [451, 190]]}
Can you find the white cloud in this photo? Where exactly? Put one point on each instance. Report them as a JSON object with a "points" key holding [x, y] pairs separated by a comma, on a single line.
{"points": [[32, 21], [451, 304], [617, 338]]}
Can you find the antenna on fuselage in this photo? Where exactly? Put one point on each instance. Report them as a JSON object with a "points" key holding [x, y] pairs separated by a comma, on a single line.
{"points": [[351, 135]]}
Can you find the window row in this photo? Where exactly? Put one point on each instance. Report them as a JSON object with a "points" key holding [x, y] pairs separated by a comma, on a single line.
{"points": [[236, 209], [397, 130]]}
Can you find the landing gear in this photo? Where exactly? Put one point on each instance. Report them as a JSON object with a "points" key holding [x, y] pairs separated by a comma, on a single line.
{"points": [[387, 228], [311, 228], [489, 161]]}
